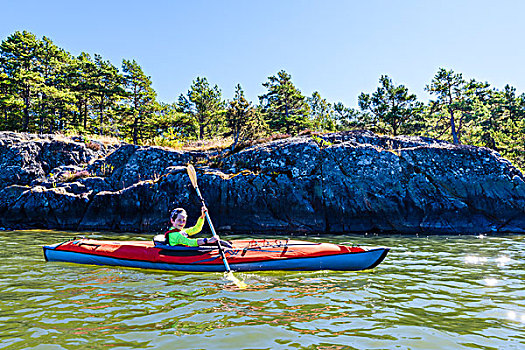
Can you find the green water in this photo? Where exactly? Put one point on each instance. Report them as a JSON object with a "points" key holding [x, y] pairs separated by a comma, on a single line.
{"points": [[455, 292]]}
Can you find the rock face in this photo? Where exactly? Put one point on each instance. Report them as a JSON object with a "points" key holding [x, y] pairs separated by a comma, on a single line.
{"points": [[338, 183]]}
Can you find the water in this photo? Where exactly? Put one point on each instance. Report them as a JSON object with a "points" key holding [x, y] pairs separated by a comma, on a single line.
{"points": [[455, 292]]}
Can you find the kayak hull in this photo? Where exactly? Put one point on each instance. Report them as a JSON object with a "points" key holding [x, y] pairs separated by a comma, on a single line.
{"points": [[296, 256]]}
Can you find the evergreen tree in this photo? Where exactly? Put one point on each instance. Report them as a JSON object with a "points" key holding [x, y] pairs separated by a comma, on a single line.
{"points": [[393, 109], [55, 101], [504, 127], [19, 59], [108, 91], [476, 121], [140, 97], [284, 106], [450, 90], [243, 119], [205, 106], [321, 113], [10, 104], [82, 81], [346, 118], [168, 127]]}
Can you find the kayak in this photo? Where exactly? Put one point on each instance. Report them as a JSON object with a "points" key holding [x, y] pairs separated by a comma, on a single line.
{"points": [[243, 255]]}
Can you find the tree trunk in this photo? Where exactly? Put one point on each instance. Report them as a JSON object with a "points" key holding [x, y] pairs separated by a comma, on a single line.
{"points": [[41, 129], [85, 116], [61, 121], [453, 128], [235, 140], [101, 114], [135, 124], [286, 120], [394, 129], [6, 120], [201, 131], [75, 117], [25, 125]]}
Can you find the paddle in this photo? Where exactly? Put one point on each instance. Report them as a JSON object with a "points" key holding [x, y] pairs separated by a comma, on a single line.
{"points": [[229, 274]]}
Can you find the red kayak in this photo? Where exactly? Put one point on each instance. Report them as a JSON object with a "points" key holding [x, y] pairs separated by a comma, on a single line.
{"points": [[243, 255]]}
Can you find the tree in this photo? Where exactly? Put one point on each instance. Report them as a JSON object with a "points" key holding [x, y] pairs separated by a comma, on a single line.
{"points": [[346, 118], [205, 106], [243, 119], [55, 100], [140, 97], [82, 76], [168, 127], [321, 113], [510, 107], [284, 106], [19, 59], [108, 91], [449, 89], [476, 121], [393, 109], [10, 103], [503, 125]]}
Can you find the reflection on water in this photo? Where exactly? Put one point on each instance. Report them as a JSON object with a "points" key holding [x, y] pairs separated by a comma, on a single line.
{"points": [[429, 293]]}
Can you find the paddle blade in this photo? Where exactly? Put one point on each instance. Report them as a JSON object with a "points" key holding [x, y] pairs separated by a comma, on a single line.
{"points": [[192, 174], [240, 284]]}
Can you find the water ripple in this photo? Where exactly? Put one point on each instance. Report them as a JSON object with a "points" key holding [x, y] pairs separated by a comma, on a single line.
{"points": [[430, 293]]}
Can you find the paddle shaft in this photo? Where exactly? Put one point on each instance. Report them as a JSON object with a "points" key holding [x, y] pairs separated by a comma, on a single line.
{"points": [[223, 256]]}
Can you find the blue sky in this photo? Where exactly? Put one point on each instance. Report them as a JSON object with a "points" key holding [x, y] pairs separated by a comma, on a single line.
{"points": [[339, 48]]}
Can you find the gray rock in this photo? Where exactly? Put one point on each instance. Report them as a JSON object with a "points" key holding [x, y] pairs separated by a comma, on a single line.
{"points": [[26, 157], [337, 182]]}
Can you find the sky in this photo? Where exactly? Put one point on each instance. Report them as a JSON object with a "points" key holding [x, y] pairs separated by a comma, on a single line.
{"points": [[339, 48]]}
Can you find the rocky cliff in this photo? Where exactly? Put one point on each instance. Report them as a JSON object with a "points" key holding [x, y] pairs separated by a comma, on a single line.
{"points": [[338, 183]]}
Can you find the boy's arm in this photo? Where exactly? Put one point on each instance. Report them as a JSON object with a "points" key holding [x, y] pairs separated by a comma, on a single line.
{"points": [[197, 228]]}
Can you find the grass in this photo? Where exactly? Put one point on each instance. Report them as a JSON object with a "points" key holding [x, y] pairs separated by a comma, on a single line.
{"points": [[106, 140], [206, 145], [72, 176], [249, 143], [218, 143], [88, 139]]}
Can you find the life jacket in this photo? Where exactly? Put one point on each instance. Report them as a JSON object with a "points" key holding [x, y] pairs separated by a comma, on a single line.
{"points": [[167, 236]]}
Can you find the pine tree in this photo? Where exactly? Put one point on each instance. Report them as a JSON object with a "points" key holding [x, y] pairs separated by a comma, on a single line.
{"points": [[19, 59], [108, 91], [205, 106], [321, 113], [140, 98], [244, 120], [393, 109], [81, 75], [56, 101], [346, 118], [449, 88], [284, 107], [10, 103]]}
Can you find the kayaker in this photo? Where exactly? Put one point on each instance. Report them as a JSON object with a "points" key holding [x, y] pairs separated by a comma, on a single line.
{"points": [[178, 235]]}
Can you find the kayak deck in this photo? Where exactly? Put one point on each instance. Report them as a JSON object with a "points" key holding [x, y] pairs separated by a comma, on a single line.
{"points": [[244, 255]]}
